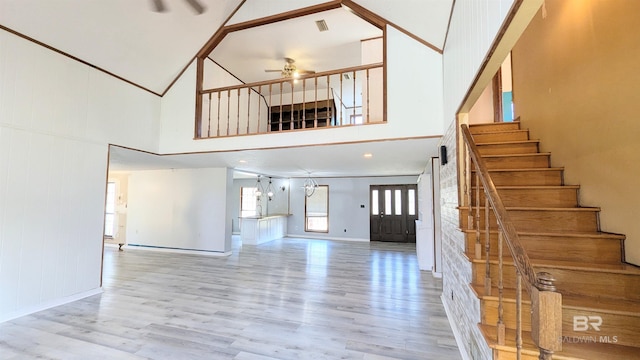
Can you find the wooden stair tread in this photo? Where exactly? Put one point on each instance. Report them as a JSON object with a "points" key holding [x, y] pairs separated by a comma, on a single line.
{"points": [[525, 169], [510, 142], [528, 208], [534, 187], [621, 268], [570, 350], [516, 155], [568, 234], [505, 131], [478, 128], [602, 304]]}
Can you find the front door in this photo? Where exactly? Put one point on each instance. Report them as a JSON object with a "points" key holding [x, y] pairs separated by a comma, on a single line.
{"points": [[393, 213]]}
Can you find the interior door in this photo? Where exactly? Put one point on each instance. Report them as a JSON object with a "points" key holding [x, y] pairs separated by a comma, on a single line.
{"points": [[393, 213]]}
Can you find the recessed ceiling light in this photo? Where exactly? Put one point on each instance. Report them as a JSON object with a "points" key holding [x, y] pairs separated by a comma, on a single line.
{"points": [[368, 155], [242, 161]]}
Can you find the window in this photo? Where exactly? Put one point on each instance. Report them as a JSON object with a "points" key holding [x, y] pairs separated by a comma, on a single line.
{"points": [[316, 210], [110, 209], [248, 202]]}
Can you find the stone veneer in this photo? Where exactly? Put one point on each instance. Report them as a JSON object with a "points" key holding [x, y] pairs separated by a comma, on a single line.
{"points": [[461, 303]]}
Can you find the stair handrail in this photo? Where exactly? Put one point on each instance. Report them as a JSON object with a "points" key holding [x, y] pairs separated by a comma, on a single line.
{"points": [[546, 302], [519, 254]]}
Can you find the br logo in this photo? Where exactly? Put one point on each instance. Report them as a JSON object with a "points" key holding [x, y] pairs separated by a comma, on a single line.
{"points": [[583, 323]]}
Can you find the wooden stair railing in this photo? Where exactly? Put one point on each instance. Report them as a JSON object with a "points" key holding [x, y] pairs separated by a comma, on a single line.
{"points": [[546, 302]]}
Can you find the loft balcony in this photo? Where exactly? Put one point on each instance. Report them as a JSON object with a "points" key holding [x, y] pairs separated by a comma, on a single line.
{"points": [[345, 97]]}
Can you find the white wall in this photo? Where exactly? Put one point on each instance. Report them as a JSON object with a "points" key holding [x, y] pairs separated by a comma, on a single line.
{"points": [[408, 63], [474, 26], [414, 85], [346, 195], [180, 208], [57, 117]]}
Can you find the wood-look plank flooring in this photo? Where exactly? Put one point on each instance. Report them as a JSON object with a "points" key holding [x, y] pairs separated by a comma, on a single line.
{"points": [[286, 299]]}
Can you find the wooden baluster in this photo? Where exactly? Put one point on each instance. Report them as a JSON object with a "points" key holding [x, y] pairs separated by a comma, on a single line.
{"points": [[209, 123], [291, 126], [341, 107], [518, 315], [304, 103], [259, 107], [501, 326], [368, 91], [218, 121], [270, 119], [228, 110], [248, 108], [487, 247], [467, 166], [315, 120], [353, 117], [238, 114], [328, 103], [280, 126]]}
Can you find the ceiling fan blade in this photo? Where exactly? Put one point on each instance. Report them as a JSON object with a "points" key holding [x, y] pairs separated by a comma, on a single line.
{"points": [[306, 72], [272, 70], [196, 5], [158, 6]]}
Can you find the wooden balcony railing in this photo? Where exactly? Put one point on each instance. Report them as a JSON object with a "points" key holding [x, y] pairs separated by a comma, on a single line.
{"points": [[546, 302], [344, 97]]}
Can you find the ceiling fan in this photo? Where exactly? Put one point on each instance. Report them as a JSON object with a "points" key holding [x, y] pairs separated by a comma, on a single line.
{"points": [[290, 70], [158, 6]]}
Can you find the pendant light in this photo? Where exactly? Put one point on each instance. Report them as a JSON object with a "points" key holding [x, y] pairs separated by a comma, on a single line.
{"points": [[270, 192]]}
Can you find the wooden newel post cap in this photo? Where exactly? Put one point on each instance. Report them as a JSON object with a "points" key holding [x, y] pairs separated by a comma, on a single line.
{"points": [[546, 281]]}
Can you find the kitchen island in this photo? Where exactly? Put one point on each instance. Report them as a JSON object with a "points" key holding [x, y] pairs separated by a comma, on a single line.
{"points": [[256, 230]]}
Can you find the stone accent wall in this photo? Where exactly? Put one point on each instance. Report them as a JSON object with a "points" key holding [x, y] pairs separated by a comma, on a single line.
{"points": [[463, 307]]}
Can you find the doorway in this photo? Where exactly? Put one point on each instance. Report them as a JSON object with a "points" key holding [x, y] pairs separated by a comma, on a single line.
{"points": [[393, 213]]}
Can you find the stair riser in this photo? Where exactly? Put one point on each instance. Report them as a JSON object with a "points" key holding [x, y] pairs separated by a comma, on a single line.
{"points": [[549, 220], [557, 197], [626, 329], [517, 162], [517, 178], [588, 250], [511, 355], [521, 135], [506, 149], [575, 282], [493, 127]]}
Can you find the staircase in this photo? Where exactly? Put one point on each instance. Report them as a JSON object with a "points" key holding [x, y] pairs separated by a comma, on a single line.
{"points": [[600, 293]]}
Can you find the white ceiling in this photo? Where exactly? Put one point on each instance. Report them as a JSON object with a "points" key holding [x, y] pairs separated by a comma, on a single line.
{"points": [[247, 53], [150, 49], [389, 158]]}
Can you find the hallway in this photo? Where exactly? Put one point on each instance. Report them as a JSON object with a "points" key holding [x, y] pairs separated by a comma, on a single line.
{"points": [[287, 299]]}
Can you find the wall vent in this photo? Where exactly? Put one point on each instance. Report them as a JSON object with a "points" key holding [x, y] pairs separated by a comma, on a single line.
{"points": [[322, 25], [346, 76]]}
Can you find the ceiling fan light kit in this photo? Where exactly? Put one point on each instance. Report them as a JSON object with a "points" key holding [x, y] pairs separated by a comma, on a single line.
{"points": [[290, 70]]}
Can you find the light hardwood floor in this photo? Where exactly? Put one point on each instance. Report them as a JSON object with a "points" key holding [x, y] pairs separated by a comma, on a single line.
{"points": [[287, 299]]}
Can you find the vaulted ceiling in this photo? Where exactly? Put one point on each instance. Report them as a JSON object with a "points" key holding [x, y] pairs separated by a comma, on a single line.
{"points": [[150, 49], [130, 40]]}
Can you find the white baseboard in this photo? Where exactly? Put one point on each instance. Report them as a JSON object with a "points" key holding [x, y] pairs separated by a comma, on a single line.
{"points": [[456, 331], [48, 305], [316, 237], [177, 250]]}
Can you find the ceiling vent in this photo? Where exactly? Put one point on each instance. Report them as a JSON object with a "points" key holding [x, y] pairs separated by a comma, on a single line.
{"points": [[322, 25]]}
